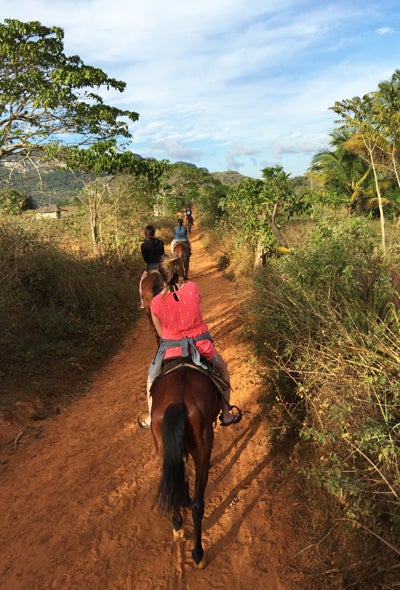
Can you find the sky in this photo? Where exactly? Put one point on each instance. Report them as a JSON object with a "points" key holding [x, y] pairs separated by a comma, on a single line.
{"points": [[229, 84]]}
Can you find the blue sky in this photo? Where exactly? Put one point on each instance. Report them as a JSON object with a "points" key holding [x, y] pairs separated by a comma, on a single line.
{"points": [[229, 84]]}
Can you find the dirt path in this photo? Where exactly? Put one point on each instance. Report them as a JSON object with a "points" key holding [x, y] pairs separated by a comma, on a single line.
{"points": [[77, 501]]}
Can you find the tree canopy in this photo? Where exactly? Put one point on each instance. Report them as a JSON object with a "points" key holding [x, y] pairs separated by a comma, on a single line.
{"points": [[252, 206], [46, 95]]}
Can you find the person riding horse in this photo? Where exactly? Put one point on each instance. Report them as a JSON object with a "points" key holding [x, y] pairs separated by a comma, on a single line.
{"points": [[180, 235], [178, 320], [152, 249], [188, 218]]}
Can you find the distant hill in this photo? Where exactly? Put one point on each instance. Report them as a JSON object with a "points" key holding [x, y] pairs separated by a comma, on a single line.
{"points": [[229, 178], [52, 186], [57, 186]]}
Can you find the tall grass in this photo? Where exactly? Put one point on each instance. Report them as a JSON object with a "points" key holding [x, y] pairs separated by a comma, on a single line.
{"points": [[326, 320], [60, 312]]}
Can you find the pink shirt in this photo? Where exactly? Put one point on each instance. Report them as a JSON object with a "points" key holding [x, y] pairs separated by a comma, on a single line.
{"points": [[182, 318]]}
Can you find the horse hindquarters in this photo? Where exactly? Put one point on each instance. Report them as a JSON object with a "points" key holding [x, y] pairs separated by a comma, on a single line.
{"points": [[185, 406], [182, 251]]}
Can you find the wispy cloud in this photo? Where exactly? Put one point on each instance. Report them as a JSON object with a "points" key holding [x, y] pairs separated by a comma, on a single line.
{"points": [[234, 84], [384, 31]]}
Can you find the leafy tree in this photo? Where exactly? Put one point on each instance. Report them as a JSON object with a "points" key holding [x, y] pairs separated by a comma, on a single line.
{"points": [[180, 187], [357, 114], [341, 171], [11, 201], [387, 114], [211, 191], [130, 205], [45, 94], [252, 206], [96, 168]]}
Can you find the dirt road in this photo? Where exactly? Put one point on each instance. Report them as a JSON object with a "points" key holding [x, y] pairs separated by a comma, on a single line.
{"points": [[77, 501]]}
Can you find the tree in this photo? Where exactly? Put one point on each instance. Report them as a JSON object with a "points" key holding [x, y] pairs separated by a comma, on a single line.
{"points": [[340, 170], [357, 114], [46, 95], [387, 115], [253, 205], [96, 168], [180, 187], [13, 202]]}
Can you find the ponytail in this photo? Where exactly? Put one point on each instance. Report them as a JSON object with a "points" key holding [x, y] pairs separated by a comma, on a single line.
{"points": [[169, 270]]}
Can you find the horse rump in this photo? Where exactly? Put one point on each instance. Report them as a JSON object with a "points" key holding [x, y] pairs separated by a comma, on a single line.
{"points": [[182, 251]]}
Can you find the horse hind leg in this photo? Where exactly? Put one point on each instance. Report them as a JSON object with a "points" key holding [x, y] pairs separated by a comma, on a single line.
{"points": [[177, 519], [198, 511], [177, 524], [187, 502], [185, 266]]}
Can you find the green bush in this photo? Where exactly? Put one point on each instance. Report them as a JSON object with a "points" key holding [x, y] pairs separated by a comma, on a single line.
{"points": [[58, 310], [326, 320]]}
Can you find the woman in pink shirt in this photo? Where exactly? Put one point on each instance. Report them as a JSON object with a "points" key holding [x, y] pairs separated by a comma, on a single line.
{"points": [[176, 314]]}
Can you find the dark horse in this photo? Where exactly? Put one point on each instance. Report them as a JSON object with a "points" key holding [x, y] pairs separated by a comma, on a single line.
{"points": [[152, 285], [185, 404], [189, 222], [182, 251]]}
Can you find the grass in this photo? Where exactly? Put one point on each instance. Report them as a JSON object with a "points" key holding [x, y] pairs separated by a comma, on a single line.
{"points": [[62, 312], [326, 321]]}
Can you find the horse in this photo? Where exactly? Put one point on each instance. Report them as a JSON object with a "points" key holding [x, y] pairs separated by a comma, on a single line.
{"points": [[182, 251], [189, 222], [152, 285], [185, 405]]}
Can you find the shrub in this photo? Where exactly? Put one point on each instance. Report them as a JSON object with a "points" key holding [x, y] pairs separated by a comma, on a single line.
{"points": [[327, 319], [58, 311]]}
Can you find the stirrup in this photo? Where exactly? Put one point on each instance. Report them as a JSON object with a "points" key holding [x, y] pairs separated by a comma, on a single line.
{"points": [[238, 410]]}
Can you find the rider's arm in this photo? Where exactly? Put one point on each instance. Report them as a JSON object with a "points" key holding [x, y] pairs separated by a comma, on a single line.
{"points": [[157, 324]]}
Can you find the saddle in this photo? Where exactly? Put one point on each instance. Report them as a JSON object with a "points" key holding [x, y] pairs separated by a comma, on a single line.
{"points": [[180, 363]]}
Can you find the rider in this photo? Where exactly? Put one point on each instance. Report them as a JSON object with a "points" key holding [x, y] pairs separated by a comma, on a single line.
{"points": [[152, 249], [188, 215], [180, 235], [177, 316]]}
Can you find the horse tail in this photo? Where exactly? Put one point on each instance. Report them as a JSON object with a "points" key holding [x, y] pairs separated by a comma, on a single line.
{"points": [[182, 251], [172, 488], [182, 265], [185, 260]]}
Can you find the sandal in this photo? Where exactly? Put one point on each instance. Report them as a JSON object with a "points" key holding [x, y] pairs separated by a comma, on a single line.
{"points": [[234, 420], [143, 424]]}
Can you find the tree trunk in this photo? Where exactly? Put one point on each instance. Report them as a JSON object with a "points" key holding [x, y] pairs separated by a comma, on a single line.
{"points": [[378, 192], [275, 230], [260, 257]]}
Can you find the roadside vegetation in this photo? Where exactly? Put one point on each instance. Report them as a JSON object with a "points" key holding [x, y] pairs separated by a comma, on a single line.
{"points": [[320, 259], [316, 258]]}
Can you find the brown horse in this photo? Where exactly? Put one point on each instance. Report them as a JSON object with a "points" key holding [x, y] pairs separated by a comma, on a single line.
{"points": [[189, 222], [185, 405], [182, 251], [152, 285]]}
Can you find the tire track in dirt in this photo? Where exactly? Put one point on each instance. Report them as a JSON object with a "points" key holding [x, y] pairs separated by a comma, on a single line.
{"points": [[77, 503]]}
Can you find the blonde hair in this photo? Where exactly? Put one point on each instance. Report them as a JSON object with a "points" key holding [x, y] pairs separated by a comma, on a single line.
{"points": [[170, 270]]}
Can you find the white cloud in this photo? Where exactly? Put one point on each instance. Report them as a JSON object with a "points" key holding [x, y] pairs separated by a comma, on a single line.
{"points": [[384, 30], [235, 83], [176, 149]]}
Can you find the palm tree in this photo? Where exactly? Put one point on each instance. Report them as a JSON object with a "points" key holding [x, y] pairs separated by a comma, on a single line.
{"points": [[342, 170]]}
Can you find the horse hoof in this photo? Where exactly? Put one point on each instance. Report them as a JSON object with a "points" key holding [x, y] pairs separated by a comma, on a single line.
{"points": [[200, 564], [178, 535]]}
